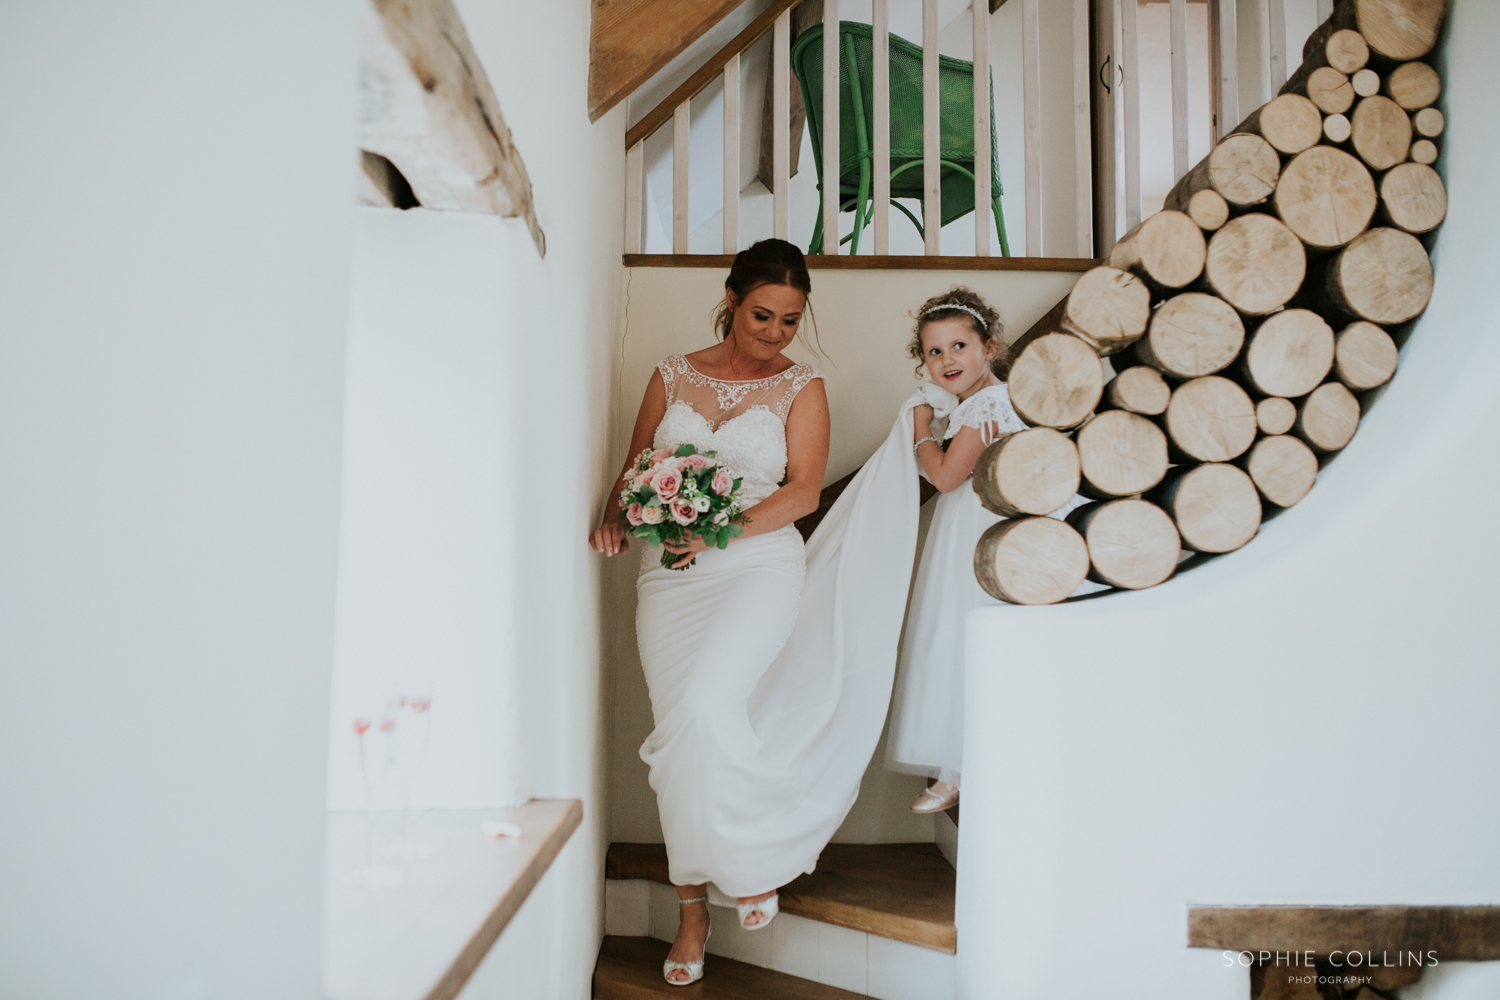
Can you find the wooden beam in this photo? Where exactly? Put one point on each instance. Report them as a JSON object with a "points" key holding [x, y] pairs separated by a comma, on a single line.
{"points": [[874, 263], [440, 121], [631, 40], [657, 116], [1455, 933]]}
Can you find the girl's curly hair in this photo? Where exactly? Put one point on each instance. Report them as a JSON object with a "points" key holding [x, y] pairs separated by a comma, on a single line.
{"points": [[989, 329]]}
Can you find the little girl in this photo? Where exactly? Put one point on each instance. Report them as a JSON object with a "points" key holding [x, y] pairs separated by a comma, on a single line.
{"points": [[958, 338]]}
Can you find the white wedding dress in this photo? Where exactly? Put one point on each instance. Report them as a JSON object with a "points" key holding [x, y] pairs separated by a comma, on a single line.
{"points": [[768, 698]]}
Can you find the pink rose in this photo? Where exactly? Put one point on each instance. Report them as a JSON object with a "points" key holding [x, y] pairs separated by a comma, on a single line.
{"points": [[633, 515], [667, 484], [697, 462], [723, 483], [683, 512], [660, 455]]}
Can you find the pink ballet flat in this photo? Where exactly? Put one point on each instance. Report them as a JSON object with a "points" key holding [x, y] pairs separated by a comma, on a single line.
{"points": [[939, 797]]}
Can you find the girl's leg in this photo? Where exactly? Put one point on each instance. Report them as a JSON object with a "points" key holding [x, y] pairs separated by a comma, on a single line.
{"points": [[692, 931]]}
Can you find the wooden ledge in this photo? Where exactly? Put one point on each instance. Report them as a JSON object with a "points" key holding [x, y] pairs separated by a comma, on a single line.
{"points": [[423, 936], [824, 262], [629, 968], [1454, 933], [899, 891]]}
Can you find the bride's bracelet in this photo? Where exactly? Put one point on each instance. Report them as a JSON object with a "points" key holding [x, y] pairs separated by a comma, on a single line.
{"points": [[918, 443]]}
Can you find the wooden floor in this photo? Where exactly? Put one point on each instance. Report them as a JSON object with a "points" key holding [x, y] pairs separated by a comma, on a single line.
{"points": [[900, 891], [629, 968]]}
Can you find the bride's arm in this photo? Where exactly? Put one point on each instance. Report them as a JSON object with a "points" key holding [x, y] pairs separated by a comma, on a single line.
{"points": [[609, 538], [806, 460]]}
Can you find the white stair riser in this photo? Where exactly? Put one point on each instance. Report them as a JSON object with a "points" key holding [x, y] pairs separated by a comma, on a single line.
{"points": [[835, 956]]}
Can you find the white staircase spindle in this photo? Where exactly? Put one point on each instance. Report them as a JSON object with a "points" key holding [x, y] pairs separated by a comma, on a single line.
{"points": [[1178, 18], [731, 214], [1276, 25], [932, 208], [1083, 133], [1031, 105], [781, 121], [880, 23], [1325, 10], [831, 60], [982, 192], [1130, 92], [1227, 48], [681, 121], [635, 160]]}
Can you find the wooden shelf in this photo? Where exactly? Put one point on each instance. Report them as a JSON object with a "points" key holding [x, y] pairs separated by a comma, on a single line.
{"points": [[1455, 933], [423, 936], [899, 891], [817, 262], [630, 969]]}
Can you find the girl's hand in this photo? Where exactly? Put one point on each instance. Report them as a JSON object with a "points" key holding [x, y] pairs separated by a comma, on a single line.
{"points": [[921, 420], [694, 546], [609, 539]]}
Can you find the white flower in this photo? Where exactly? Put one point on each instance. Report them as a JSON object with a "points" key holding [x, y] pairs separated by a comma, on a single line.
{"points": [[653, 514], [721, 518], [701, 503]]}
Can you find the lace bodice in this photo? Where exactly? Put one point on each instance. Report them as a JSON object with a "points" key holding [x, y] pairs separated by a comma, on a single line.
{"points": [[984, 410], [745, 422]]}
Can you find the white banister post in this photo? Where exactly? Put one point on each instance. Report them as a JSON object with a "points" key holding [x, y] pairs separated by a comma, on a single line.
{"points": [[880, 23], [781, 121], [1130, 91], [982, 193], [681, 120], [635, 158], [1227, 46], [731, 215], [1325, 10], [1031, 109], [1083, 138], [1178, 18], [1276, 26], [932, 192], [831, 60]]}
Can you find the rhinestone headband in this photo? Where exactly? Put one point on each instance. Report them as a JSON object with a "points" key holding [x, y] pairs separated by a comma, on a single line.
{"points": [[960, 308]]}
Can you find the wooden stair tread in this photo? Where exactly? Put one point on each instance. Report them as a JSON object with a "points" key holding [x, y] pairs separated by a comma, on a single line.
{"points": [[899, 891], [629, 968]]}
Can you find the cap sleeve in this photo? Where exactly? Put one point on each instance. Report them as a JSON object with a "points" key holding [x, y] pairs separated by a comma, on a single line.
{"points": [[986, 410], [671, 368], [797, 377]]}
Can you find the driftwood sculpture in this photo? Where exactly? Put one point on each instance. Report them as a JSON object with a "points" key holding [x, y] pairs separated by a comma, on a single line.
{"points": [[427, 108]]}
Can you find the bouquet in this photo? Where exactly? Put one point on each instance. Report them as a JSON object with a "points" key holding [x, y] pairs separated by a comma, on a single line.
{"points": [[675, 495]]}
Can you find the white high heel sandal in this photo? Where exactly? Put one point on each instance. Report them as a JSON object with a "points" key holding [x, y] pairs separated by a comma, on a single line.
{"points": [[693, 969], [768, 907]]}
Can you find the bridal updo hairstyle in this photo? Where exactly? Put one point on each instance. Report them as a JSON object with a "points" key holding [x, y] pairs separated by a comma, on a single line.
{"points": [[961, 299], [767, 262]]}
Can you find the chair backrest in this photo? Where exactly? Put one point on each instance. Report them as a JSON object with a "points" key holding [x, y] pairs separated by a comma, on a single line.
{"points": [[955, 103]]}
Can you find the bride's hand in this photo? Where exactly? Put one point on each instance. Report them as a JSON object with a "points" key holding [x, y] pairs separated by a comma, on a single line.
{"points": [[688, 551], [609, 539]]}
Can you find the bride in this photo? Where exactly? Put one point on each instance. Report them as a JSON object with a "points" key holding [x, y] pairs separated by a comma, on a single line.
{"points": [[732, 808]]}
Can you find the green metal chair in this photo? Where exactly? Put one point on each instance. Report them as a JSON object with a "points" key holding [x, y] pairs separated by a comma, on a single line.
{"points": [[857, 110], [857, 106]]}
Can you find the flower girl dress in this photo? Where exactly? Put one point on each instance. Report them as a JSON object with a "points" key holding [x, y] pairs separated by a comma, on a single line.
{"points": [[927, 716]]}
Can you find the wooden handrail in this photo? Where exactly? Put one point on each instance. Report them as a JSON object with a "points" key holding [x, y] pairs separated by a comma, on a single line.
{"points": [[658, 116]]}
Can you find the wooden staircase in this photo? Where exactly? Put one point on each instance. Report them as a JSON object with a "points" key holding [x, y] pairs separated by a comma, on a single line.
{"points": [[874, 920]]}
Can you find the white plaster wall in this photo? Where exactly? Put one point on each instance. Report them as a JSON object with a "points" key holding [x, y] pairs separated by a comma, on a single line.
{"points": [[479, 435], [173, 286], [1308, 720], [864, 323]]}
